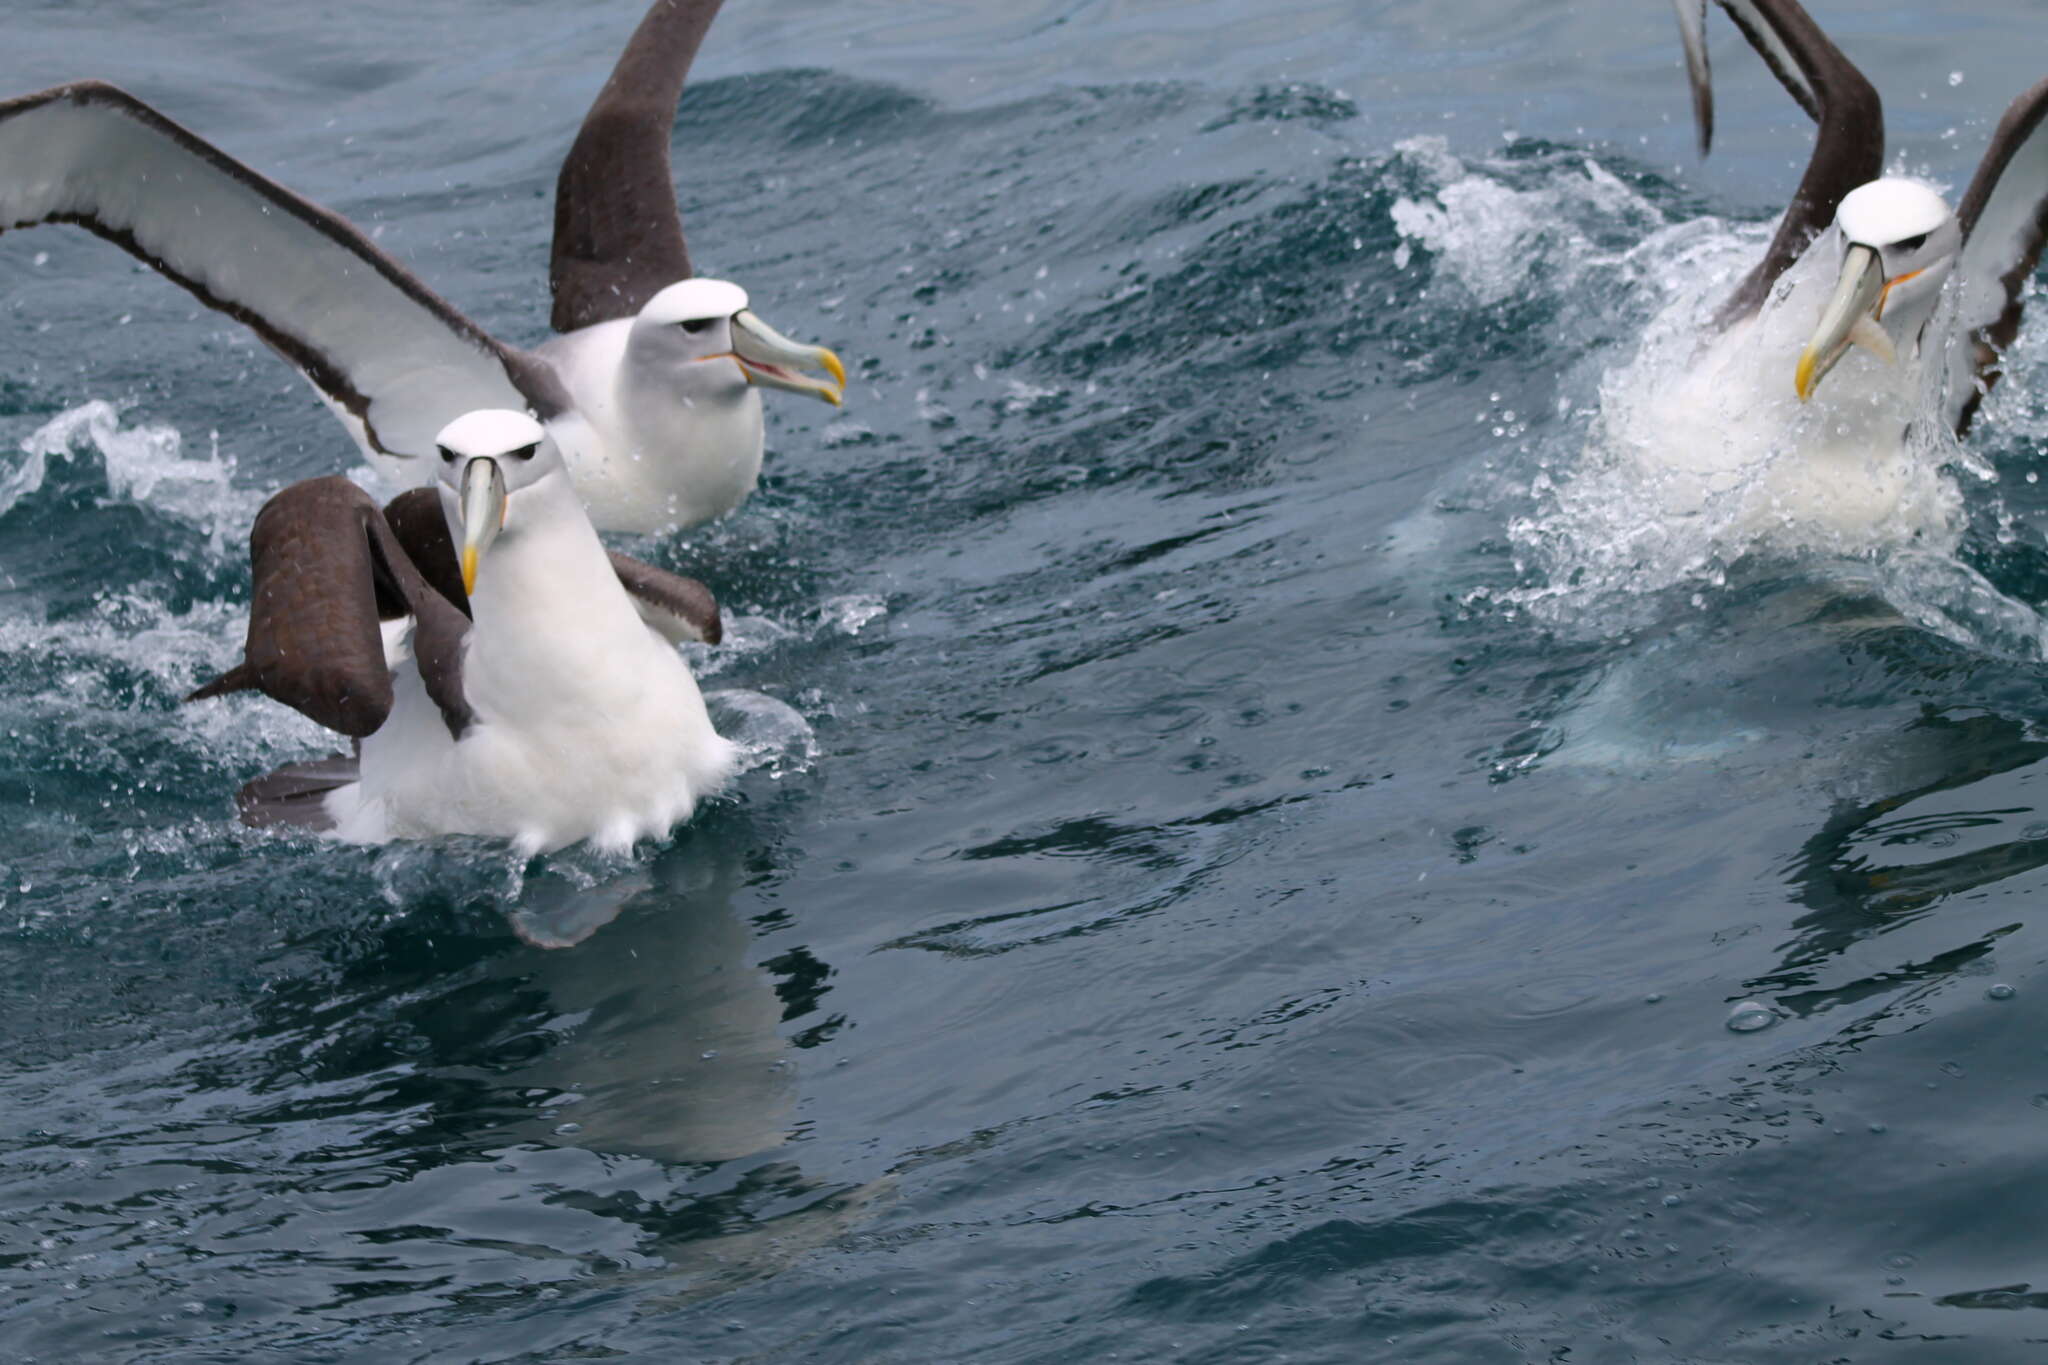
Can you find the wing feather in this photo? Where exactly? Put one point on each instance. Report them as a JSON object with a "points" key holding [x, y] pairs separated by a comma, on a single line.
{"points": [[2004, 218], [618, 233], [321, 556], [1848, 149], [379, 344]]}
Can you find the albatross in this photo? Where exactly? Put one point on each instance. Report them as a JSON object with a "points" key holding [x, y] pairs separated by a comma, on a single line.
{"points": [[1898, 240], [543, 702], [650, 387]]}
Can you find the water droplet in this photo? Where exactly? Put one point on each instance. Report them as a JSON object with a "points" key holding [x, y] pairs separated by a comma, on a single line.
{"points": [[1955, 78], [2000, 992], [568, 1129], [1672, 1201], [1749, 1016], [1878, 1128], [1952, 1069], [1654, 998], [1901, 1260]]}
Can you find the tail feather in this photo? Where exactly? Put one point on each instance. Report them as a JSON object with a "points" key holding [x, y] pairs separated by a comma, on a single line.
{"points": [[295, 794]]}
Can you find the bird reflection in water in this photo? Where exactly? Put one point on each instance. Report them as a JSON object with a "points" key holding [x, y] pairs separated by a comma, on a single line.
{"points": [[1967, 816]]}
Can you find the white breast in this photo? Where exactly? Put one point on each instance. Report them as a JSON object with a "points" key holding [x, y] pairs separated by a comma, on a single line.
{"points": [[675, 451]]}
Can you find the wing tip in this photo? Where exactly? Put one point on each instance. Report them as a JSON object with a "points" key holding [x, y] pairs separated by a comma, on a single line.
{"points": [[240, 678], [1692, 34]]}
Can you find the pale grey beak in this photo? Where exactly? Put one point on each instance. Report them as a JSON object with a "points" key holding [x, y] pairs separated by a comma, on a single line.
{"points": [[771, 359], [483, 513], [1850, 319]]}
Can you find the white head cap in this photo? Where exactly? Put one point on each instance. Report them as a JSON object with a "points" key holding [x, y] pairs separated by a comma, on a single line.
{"points": [[489, 431], [1891, 210], [695, 300]]}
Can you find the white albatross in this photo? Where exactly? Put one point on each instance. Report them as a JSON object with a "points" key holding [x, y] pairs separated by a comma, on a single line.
{"points": [[544, 701], [649, 387], [1897, 240], [1817, 409]]}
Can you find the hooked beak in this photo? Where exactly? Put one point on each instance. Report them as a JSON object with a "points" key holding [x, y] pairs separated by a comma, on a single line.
{"points": [[483, 513], [1850, 319], [771, 359]]}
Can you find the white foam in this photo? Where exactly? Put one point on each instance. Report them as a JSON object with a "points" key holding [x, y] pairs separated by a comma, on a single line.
{"points": [[1494, 240], [144, 465], [851, 613]]}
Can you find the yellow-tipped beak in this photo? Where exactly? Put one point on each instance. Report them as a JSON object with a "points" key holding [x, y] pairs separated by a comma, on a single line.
{"points": [[483, 514], [1803, 377], [1850, 319], [772, 360]]}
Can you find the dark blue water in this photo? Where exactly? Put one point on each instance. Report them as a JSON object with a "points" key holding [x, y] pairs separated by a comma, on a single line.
{"points": [[1239, 867]]}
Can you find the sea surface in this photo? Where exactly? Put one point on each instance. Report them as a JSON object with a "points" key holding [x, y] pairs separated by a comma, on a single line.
{"points": [[1267, 838]]}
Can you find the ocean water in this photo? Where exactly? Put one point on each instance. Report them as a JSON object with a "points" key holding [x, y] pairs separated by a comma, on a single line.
{"points": [[1271, 835]]}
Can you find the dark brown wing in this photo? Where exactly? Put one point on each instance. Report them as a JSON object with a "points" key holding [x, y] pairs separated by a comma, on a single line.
{"points": [[618, 234], [2004, 218], [677, 608], [320, 555], [416, 518], [1848, 149], [380, 344]]}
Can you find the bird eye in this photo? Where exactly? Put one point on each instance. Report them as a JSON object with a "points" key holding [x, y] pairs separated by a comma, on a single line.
{"points": [[526, 452], [696, 325], [1910, 243], [446, 454]]}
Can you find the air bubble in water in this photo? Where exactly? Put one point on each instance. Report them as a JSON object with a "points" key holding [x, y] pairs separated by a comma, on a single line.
{"points": [[1749, 1016]]}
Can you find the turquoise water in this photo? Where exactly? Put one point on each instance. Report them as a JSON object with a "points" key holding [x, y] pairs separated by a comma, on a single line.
{"points": [[1236, 867]]}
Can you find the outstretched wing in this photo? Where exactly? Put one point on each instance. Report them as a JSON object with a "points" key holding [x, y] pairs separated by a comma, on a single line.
{"points": [[322, 556], [379, 344], [2004, 218], [1848, 149], [618, 234]]}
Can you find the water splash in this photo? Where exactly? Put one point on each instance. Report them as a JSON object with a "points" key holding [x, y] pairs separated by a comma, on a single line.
{"points": [[1676, 459], [1494, 238], [851, 613], [144, 465], [1698, 456], [771, 734]]}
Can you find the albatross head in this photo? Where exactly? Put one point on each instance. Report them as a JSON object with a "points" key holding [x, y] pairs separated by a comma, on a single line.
{"points": [[486, 457], [1899, 243], [700, 320]]}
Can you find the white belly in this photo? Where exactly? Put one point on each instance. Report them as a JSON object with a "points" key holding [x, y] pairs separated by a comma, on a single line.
{"points": [[625, 754]]}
